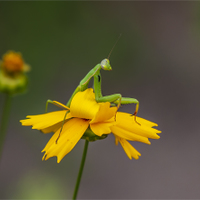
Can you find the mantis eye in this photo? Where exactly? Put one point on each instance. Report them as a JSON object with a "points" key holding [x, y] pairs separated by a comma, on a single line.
{"points": [[105, 64]]}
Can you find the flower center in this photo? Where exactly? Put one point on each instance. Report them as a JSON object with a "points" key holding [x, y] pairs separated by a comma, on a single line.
{"points": [[12, 62]]}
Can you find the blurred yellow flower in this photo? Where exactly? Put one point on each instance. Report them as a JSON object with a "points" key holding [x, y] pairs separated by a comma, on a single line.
{"points": [[86, 116], [12, 73], [13, 63]]}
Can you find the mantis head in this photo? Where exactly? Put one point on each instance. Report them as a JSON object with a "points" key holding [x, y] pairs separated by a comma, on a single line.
{"points": [[105, 64]]}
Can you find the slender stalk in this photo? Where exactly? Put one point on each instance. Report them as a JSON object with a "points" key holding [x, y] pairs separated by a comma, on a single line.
{"points": [[4, 120], [80, 169]]}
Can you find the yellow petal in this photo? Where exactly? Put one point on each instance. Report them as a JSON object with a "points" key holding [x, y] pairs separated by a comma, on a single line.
{"points": [[128, 116], [45, 120], [83, 105], [116, 141], [104, 113], [130, 151], [127, 122], [52, 128], [128, 135], [71, 133], [102, 127]]}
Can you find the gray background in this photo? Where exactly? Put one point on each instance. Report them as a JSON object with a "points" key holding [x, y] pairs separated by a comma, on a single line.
{"points": [[157, 61]]}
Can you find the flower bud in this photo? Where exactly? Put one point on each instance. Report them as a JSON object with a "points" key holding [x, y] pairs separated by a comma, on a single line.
{"points": [[12, 73]]}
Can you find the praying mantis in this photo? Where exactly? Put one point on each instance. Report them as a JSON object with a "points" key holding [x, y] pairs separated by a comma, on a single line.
{"points": [[94, 73]]}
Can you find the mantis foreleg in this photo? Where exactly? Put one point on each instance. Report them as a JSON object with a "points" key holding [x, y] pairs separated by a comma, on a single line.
{"points": [[105, 65]]}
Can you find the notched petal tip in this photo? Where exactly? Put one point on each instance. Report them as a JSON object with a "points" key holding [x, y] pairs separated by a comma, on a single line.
{"points": [[158, 137], [44, 156], [22, 121], [158, 131], [136, 158], [58, 159], [149, 143]]}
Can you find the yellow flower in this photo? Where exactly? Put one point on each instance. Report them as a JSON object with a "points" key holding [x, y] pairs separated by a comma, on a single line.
{"points": [[14, 63], [86, 116], [12, 73]]}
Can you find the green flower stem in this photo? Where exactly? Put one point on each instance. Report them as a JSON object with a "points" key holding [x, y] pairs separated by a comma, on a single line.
{"points": [[81, 169], [4, 120]]}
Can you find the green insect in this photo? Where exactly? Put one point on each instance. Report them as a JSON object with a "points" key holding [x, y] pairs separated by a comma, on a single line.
{"points": [[114, 99]]}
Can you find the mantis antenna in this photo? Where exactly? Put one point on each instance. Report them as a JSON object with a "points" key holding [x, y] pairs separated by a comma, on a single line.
{"points": [[114, 46]]}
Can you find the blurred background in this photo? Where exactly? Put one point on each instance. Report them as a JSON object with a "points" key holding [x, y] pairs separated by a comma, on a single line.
{"points": [[157, 61]]}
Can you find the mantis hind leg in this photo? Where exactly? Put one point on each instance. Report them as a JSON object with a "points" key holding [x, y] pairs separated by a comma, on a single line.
{"points": [[62, 125], [62, 106], [127, 100], [111, 98]]}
